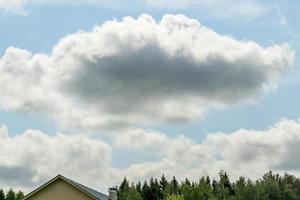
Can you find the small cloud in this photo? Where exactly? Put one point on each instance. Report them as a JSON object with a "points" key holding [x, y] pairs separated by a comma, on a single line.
{"points": [[248, 9], [282, 21], [12, 7], [220, 9]]}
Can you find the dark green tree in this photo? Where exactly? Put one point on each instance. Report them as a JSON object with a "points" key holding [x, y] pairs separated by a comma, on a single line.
{"points": [[204, 189], [154, 189], [208, 180], [123, 189], [240, 188], [215, 187], [139, 187], [20, 195], [186, 189], [132, 194], [146, 192], [224, 188], [174, 186], [2, 195], [163, 184], [10, 195], [269, 187]]}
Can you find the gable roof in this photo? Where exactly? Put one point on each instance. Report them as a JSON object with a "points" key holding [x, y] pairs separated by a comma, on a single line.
{"points": [[88, 191]]}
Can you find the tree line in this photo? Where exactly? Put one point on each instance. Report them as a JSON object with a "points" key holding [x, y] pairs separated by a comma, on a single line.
{"points": [[11, 195], [269, 187]]}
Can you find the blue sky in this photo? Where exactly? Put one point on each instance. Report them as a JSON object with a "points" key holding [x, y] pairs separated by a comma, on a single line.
{"points": [[38, 27], [45, 25]]}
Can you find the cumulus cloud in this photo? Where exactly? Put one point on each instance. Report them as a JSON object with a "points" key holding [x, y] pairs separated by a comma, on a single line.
{"points": [[244, 152], [139, 71], [32, 157]]}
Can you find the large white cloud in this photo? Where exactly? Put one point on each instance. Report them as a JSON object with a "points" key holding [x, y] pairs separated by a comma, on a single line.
{"points": [[32, 157], [139, 71]]}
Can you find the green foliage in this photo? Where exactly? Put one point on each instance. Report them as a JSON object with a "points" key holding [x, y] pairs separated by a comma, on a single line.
{"points": [[2, 195], [173, 187], [174, 197], [146, 192], [126, 192], [20, 195], [139, 187], [132, 194], [10, 195], [269, 187], [163, 185]]}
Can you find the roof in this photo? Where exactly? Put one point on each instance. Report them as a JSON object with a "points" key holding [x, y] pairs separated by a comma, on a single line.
{"points": [[94, 193], [88, 191]]}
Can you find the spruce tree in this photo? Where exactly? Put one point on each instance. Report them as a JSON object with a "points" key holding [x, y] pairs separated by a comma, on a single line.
{"points": [[146, 191], [2, 195], [123, 189], [10, 195], [163, 184], [132, 194], [174, 187], [20, 195], [139, 187]]}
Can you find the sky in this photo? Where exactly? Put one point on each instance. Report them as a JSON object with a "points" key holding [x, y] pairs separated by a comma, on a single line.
{"points": [[97, 91]]}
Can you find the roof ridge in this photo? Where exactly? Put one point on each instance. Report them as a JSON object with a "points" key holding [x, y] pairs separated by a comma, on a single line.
{"points": [[89, 191]]}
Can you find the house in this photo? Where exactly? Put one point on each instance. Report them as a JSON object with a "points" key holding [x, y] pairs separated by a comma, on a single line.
{"points": [[62, 188]]}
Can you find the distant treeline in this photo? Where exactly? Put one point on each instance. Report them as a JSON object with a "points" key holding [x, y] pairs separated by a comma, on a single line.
{"points": [[270, 187], [11, 195]]}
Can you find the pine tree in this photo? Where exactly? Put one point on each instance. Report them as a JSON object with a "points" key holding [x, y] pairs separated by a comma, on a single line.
{"points": [[204, 189], [20, 195], [163, 184], [208, 180], [2, 195], [186, 189], [132, 194], [139, 187], [240, 188], [174, 187], [225, 187], [146, 191], [269, 187], [187, 182], [10, 195], [154, 189], [123, 189]]}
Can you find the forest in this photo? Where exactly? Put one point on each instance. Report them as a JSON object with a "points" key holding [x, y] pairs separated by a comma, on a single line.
{"points": [[269, 187], [11, 195]]}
